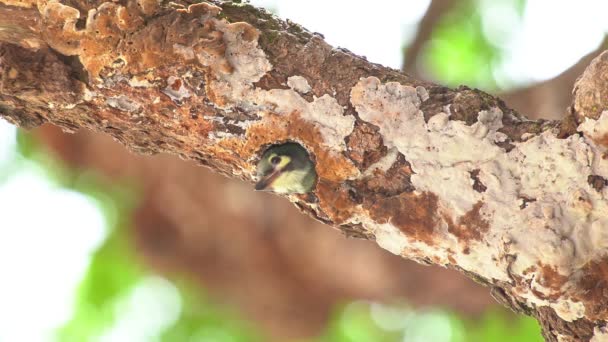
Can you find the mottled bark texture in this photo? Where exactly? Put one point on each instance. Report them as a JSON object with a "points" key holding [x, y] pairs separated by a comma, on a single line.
{"points": [[441, 176]]}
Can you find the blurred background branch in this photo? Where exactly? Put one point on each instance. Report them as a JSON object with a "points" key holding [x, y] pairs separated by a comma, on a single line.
{"points": [[434, 13], [549, 99]]}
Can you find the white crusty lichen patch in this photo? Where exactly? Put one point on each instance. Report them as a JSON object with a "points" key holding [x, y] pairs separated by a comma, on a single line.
{"points": [[228, 52], [249, 64], [123, 103], [541, 213], [600, 334], [596, 129], [384, 164], [176, 90], [299, 84], [387, 236]]}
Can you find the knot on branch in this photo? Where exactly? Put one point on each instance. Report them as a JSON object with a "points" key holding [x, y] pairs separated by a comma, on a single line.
{"points": [[591, 90]]}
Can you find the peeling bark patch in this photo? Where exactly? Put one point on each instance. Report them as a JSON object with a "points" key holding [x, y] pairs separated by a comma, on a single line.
{"points": [[28, 65], [335, 202], [596, 129], [299, 84], [176, 90], [468, 102], [579, 330], [477, 184], [271, 81], [123, 103], [229, 129], [439, 99], [414, 215], [392, 182], [27, 120], [592, 289], [600, 333], [567, 126], [471, 226], [323, 112], [603, 140], [356, 231], [457, 141], [117, 33], [517, 130], [273, 129], [395, 109], [14, 30], [365, 145], [552, 280], [591, 89], [597, 182]]}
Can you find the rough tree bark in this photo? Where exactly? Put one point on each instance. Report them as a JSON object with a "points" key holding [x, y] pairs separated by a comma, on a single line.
{"points": [[441, 176]]}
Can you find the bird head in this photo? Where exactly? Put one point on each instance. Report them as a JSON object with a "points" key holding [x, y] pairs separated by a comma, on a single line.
{"points": [[286, 169]]}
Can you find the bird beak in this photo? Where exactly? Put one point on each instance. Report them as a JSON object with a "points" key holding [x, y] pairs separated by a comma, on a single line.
{"points": [[267, 180]]}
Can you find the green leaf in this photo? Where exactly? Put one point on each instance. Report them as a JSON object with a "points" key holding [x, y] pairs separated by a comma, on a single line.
{"points": [[110, 277]]}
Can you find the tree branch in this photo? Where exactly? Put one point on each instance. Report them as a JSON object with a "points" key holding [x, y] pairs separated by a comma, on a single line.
{"points": [[550, 98], [442, 176], [433, 15]]}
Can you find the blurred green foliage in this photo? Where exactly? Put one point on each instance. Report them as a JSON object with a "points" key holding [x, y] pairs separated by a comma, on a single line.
{"points": [[354, 323], [115, 270], [499, 325], [461, 52]]}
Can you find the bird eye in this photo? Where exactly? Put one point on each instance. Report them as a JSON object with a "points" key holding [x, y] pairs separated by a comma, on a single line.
{"points": [[275, 160]]}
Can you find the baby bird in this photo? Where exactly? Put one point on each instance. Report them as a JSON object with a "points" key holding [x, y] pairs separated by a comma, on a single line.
{"points": [[286, 169]]}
